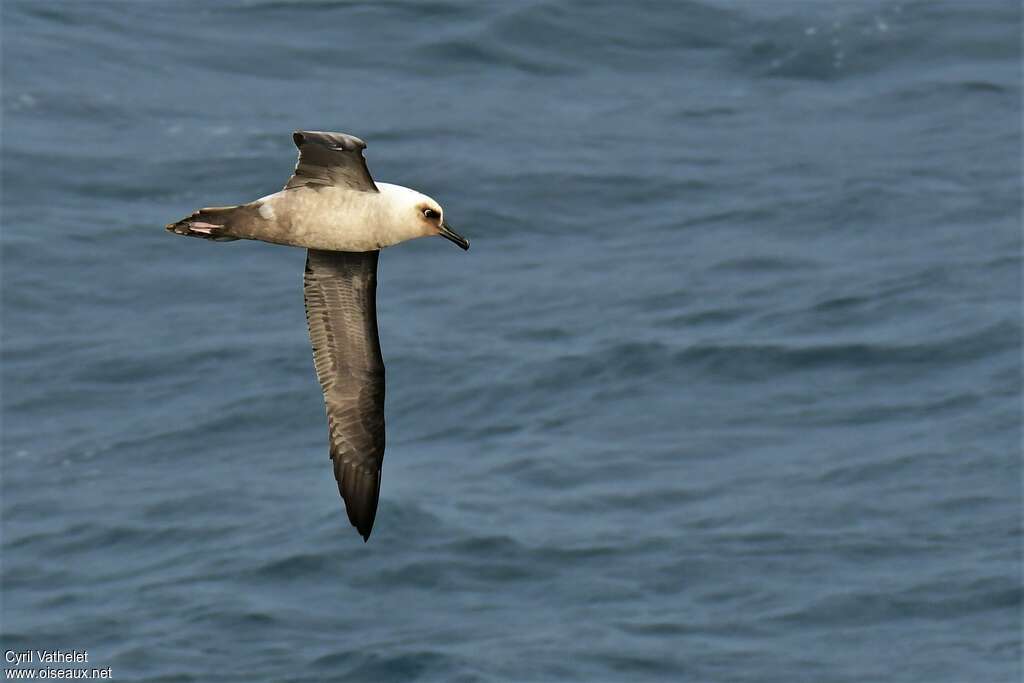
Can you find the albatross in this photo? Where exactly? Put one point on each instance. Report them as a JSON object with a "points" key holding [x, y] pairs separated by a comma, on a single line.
{"points": [[332, 207]]}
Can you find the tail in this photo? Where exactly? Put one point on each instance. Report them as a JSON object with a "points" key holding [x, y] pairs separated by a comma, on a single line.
{"points": [[211, 223]]}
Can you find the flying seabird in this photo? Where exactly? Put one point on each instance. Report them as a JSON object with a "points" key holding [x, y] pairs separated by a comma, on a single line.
{"points": [[333, 208]]}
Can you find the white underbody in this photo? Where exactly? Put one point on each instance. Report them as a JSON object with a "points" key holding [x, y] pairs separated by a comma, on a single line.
{"points": [[339, 219]]}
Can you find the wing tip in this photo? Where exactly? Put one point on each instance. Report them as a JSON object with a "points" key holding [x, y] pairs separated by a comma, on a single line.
{"points": [[364, 527], [360, 489], [348, 143]]}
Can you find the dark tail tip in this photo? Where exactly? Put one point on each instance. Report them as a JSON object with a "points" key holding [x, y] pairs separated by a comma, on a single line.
{"points": [[201, 224]]}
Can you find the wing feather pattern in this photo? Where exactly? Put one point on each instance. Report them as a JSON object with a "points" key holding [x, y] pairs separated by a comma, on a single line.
{"points": [[330, 159], [341, 309]]}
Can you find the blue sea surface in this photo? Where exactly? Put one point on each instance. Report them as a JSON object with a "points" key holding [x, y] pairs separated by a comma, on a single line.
{"points": [[728, 387]]}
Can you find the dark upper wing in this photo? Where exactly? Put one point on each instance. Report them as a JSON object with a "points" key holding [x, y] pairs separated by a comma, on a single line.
{"points": [[341, 310], [330, 159]]}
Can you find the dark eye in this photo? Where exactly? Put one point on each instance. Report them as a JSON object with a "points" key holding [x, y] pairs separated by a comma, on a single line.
{"points": [[431, 214]]}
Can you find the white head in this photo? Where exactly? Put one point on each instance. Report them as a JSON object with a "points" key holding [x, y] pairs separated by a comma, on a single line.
{"points": [[412, 214]]}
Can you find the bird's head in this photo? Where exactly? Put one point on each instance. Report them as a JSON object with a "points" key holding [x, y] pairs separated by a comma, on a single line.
{"points": [[431, 216], [410, 214]]}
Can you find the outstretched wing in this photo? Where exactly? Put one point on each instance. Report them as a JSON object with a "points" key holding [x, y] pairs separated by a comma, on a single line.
{"points": [[341, 310], [330, 159]]}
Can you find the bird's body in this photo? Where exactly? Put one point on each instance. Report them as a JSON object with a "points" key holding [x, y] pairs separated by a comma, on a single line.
{"points": [[332, 207], [332, 218]]}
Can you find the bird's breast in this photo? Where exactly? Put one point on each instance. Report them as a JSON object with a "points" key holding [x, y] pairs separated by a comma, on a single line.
{"points": [[329, 219]]}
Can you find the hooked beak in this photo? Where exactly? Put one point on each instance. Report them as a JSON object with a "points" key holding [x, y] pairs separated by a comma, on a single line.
{"points": [[450, 234]]}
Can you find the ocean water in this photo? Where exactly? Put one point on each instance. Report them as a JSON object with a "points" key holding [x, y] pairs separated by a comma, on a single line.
{"points": [[727, 389]]}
